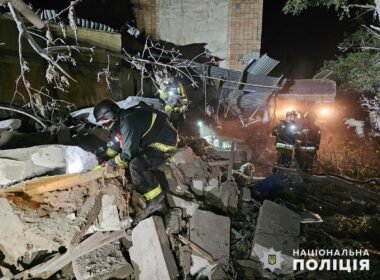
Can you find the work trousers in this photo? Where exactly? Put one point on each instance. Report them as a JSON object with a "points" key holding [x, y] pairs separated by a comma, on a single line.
{"points": [[142, 169], [305, 160], [285, 157]]}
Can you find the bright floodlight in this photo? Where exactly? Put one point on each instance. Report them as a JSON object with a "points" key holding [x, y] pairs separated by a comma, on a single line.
{"points": [[324, 112], [289, 109], [200, 124]]}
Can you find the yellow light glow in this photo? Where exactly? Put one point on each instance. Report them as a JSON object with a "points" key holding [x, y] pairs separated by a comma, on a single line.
{"points": [[289, 109], [325, 112]]}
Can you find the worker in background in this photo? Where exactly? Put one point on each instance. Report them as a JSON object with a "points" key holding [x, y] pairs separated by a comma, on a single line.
{"points": [[141, 139], [286, 133], [211, 119], [173, 94], [308, 142]]}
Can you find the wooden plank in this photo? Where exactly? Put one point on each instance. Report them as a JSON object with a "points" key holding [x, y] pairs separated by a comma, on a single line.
{"points": [[197, 249], [59, 182], [94, 242]]}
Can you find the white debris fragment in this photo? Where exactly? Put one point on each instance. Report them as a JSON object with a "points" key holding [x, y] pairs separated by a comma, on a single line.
{"points": [[358, 125], [11, 124]]}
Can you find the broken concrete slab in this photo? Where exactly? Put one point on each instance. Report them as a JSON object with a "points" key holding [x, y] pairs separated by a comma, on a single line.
{"points": [[211, 232], [95, 241], [199, 264], [173, 221], [188, 207], [20, 164], [5, 274], [225, 196], [108, 218], [175, 180], [150, 253], [103, 263], [173, 224], [61, 230], [16, 239], [278, 228], [196, 169], [184, 259], [197, 186], [182, 155]]}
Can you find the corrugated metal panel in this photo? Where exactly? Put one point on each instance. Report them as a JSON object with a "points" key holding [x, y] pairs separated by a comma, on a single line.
{"points": [[263, 66]]}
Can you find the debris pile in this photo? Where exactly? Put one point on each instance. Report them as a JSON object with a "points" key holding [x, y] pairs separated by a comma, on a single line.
{"points": [[80, 225]]}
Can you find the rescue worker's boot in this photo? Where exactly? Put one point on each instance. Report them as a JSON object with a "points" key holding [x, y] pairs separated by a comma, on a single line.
{"points": [[157, 204]]}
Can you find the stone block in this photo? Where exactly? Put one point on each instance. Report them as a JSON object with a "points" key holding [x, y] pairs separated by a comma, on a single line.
{"points": [[211, 232], [224, 196], [150, 253], [278, 228], [16, 240], [197, 186], [183, 155], [108, 218], [188, 207]]}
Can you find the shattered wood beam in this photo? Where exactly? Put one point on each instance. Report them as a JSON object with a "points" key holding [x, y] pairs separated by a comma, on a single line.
{"points": [[197, 249], [94, 242], [60, 182]]}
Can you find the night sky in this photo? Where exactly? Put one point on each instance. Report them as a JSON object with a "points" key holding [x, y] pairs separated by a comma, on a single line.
{"points": [[301, 43]]}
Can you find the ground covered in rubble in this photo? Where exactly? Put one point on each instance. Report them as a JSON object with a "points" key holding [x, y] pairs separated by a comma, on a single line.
{"points": [[219, 223]]}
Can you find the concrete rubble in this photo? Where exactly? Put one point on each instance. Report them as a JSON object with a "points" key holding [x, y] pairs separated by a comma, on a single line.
{"points": [[214, 228], [107, 262], [277, 228], [150, 253], [24, 163], [205, 224]]}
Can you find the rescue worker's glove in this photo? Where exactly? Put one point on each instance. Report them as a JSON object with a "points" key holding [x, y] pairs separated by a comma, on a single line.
{"points": [[117, 162]]}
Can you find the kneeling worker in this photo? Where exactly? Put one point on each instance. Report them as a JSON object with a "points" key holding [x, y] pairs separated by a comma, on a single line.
{"points": [[141, 139]]}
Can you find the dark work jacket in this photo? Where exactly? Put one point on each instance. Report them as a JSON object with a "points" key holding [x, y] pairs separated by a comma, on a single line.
{"points": [[133, 123], [286, 132], [310, 135]]}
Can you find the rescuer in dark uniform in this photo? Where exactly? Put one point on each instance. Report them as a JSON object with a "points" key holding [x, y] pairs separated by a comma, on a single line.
{"points": [[175, 99], [141, 137], [286, 133], [308, 142]]}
